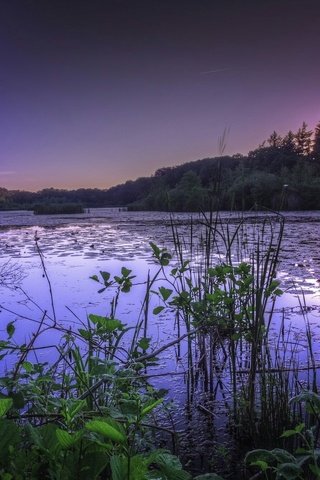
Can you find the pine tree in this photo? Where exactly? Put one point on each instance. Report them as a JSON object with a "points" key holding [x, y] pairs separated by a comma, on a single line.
{"points": [[275, 140], [288, 143], [303, 140], [316, 142]]}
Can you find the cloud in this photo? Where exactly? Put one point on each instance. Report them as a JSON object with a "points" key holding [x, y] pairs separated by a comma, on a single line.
{"points": [[217, 70]]}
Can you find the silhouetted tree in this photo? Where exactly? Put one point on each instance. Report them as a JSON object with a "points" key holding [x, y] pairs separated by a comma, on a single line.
{"points": [[303, 140], [288, 143], [316, 142], [275, 140], [188, 195]]}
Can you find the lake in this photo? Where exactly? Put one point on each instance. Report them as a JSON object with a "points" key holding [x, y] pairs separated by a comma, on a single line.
{"points": [[64, 251]]}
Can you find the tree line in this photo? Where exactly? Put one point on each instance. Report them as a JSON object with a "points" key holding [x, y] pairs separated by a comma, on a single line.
{"points": [[283, 172]]}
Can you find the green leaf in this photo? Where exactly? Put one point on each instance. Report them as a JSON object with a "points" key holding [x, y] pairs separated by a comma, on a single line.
{"points": [[165, 259], [278, 292], [10, 435], [299, 427], [126, 286], [315, 469], [129, 407], [169, 465], [95, 278], [92, 463], [301, 460], [211, 272], [156, 250], [144, 343], [288, 433], [308, 397], [27, 366], [288, 471], [6, 476], [150, 407], [125, 272], [122, 469], [283, 456], [76, 407], [107, 325], [165, 293], [104, 428], [119, 467], [65, 439], [85, 334], [105, 276], [34, 435], [10, 329], [18, 400], [260, 455], [235, 336], [4, 344], [157, 310], [260, 464], [5, 405], [97, 319], [47, 438]]}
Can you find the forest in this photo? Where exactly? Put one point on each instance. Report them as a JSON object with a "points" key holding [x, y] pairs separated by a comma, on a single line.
{"points": [[282, 173]]}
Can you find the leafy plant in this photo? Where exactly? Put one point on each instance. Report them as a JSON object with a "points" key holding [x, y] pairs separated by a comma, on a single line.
{"points": [[304, 462]]}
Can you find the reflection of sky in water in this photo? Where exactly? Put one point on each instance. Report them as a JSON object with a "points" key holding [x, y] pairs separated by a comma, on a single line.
{"points": [[78, 246], [76, 296]]}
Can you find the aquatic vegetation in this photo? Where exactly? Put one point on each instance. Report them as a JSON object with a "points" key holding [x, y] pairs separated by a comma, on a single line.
{"points": [[94, 413], [84, 416], [57, 208], [304, 461]]}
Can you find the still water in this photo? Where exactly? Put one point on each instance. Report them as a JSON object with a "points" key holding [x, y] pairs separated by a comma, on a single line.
{"points": [[75, 247]]}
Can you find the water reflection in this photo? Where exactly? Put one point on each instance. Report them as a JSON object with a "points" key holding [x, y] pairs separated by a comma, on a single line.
{"points": [[75, 247]]}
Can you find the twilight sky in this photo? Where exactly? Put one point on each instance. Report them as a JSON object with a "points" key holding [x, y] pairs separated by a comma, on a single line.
{"points": [[100, 91]]}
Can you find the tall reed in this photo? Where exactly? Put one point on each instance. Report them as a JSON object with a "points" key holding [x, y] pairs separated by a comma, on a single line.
{"points": [[227, 286]]}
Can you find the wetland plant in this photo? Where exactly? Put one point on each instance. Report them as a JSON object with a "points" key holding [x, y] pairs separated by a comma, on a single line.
{"points": [[86, 415], [91, 413], [57, 208], [302, 458], [223, 291]]}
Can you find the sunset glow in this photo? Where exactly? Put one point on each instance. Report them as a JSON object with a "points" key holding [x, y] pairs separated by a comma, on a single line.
{"points": [[95, 93]]}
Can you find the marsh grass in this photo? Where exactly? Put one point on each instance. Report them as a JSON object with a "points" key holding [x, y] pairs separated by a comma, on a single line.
{"points": [[227, 286]]}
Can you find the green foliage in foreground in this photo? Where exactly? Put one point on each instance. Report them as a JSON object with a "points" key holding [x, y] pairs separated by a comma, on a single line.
{"points": [[56, 427], [87, 416], [304, 462], [80, 449]]}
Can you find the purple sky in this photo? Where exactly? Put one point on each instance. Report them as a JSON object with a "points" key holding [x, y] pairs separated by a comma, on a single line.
{"points": [[100, 91]]}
